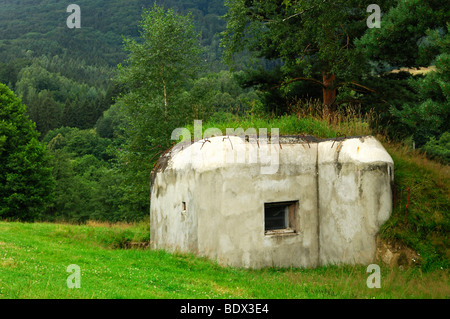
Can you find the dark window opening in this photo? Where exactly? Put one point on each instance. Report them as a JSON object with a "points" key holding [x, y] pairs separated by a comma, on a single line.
{"points": [[280, 216]]}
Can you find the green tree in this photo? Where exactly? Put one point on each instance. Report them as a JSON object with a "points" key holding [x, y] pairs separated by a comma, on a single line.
{"points": [[220, 92], [169, 56], [404, 39], [413, 34], [110, 124], [45, 112], [315, 40], [26, 183], [78, 142], [87, 182], [156, 73], [430, 116]]}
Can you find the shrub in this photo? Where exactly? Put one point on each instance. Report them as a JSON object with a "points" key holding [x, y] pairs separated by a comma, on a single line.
{"points": [[439, 149]]}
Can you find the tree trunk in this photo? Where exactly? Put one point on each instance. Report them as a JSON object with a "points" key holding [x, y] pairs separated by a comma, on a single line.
{"points": [[164, 93], [165, 100], [329, 90]]}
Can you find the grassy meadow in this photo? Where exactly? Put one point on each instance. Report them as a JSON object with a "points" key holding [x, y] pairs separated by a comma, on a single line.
{"points": [[34, 258]]}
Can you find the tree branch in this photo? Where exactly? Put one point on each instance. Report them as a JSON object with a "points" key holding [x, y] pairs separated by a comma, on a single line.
{"points": [[299, 79], [300, 13], [362, 86]]}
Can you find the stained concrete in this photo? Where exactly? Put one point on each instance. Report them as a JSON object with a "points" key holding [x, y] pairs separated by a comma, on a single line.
{"points": [[343, 189]]}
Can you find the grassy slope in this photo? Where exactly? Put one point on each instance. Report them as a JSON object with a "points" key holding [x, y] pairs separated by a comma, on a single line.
{"points": [[427, 222], [34, 258]]}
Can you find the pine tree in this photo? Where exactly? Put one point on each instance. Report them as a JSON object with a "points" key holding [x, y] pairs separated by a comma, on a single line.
{"points": [[429, 118], [315, 40]]}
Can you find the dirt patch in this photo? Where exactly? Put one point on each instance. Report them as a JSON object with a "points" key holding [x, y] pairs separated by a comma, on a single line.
{"points": [[396, 254], [8, 245], [137, 245], [8, 263], [122, 225]]}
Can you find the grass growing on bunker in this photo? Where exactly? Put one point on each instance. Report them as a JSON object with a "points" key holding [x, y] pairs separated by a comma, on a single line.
{"points": [[34, 259], [308, 117]]}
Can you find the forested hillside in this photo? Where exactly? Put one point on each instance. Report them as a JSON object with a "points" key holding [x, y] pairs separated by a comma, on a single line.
{"points": [[32, 28], [64, 75], [65, 78]]}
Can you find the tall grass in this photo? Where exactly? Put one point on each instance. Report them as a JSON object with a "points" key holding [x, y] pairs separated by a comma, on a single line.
{"points": [[347, 120], [308, 117]]}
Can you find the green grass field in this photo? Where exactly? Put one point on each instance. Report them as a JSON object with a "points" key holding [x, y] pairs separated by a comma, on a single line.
{"points": [[34, 258]]}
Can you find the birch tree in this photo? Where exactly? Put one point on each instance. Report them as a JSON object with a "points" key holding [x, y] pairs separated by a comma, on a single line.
{"points": [[159, 65]]}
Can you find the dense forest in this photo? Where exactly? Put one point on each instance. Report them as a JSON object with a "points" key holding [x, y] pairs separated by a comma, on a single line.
{"points": [[95, 115], [66, 79]]}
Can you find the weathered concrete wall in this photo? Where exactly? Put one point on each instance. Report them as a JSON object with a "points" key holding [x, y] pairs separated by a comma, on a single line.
{"points": [[171, 227], [343, 199], [355, 198], [231, 211]]}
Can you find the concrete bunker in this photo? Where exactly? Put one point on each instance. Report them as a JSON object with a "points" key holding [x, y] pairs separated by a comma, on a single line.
{"points": [[293, 201]]}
